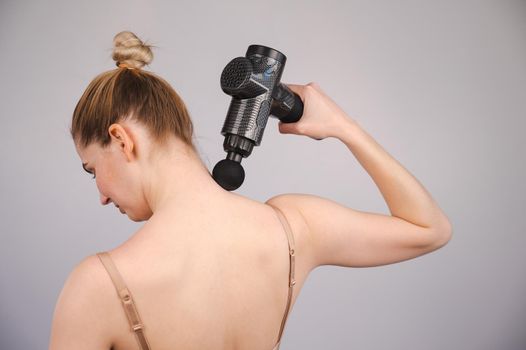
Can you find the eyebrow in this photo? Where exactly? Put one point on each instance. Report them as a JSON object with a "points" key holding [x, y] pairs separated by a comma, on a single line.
{"points": [[84, 167]]}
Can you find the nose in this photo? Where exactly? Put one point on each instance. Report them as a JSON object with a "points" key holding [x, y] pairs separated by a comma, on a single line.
{"points": [[104, 200]]}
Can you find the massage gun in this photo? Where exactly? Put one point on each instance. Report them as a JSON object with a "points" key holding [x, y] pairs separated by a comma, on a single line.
{"points": [[253, 82]]}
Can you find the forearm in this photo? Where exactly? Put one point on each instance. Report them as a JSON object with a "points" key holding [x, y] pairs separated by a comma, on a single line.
{"points": [[405, 196]]}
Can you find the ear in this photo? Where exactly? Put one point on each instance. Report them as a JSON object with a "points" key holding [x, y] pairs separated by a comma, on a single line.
{"points": [[123, 138]]}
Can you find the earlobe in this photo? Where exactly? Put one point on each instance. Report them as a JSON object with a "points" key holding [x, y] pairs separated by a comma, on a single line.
{"points": [[127, 147]]}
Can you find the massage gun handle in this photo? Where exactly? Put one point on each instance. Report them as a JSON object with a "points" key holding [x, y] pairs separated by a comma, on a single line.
{"points": [[286, 105]]}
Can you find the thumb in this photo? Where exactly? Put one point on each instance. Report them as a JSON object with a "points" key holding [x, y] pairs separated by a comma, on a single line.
{"points": [[297, 89]]}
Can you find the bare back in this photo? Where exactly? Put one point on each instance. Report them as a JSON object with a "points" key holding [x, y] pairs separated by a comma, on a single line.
{"points": [[221, 285]]}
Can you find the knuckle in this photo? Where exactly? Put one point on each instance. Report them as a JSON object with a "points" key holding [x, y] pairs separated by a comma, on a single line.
{"points": [[313, 84], [309, 89], [300, 128]]}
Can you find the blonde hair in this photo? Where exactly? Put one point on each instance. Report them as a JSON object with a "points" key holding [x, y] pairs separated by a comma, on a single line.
{"points": [[130, 92]]}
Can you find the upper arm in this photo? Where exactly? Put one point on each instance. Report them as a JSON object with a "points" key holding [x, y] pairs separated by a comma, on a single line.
{"points": [[347, 237], [78, 315]]}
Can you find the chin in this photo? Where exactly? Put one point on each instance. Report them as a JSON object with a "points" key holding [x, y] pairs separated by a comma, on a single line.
{"points": [[139, 218]]}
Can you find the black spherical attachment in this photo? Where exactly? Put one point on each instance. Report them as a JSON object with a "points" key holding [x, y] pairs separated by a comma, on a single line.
{"points": [[229, 174]]}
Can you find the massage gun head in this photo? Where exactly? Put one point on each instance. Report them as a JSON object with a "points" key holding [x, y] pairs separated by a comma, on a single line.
{"points": [[253, 82], [229, 174]]}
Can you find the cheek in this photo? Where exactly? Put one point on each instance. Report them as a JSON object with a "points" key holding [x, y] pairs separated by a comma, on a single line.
{"points": [[102, 185], [105, 182], [123, 185]]}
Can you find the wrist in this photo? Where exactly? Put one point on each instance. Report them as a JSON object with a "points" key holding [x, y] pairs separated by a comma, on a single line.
{"points": [[346, 129]]}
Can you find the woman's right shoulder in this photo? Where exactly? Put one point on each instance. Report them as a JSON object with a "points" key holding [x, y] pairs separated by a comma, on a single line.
{"points": [[289, 205]]}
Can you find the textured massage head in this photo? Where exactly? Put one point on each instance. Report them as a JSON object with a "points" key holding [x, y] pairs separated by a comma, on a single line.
{"points": [[254, 83]]}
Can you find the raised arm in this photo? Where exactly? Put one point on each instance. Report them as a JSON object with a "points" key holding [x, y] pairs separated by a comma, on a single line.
{"points": [[347, 237]]}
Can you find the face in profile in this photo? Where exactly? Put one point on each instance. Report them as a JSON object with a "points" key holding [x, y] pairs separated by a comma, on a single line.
{"points": [[117, 178]]}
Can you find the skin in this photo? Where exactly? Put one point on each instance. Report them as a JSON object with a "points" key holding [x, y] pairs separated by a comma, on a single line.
{"points": [[208, 270], [147, 181], [204, 249]]}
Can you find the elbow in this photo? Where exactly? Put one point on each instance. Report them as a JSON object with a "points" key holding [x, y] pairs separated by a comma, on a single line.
{"points": [[443, 234]]}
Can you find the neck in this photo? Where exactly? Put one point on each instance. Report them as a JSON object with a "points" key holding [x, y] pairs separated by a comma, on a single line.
{"points": [[180, 184]]}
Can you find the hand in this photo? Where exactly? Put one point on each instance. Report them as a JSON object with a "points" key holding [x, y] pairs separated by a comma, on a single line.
{"points": [[321, 116]]}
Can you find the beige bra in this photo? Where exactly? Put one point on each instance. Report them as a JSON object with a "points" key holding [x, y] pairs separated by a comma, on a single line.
{"points": [[131, 311]]}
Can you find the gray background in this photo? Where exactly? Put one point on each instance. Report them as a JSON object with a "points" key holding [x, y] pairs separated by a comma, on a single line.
{"points": [[439, 84]]}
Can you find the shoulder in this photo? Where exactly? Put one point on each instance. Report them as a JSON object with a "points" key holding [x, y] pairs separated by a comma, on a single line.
{"points": [[86, 278], [288, 204], [80, 311]]}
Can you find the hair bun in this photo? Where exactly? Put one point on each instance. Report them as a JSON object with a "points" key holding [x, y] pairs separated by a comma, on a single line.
{"points": [[129, 50]]}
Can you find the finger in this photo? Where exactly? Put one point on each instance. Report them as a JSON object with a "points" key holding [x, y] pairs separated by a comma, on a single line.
{"points": [[281, 128], [285, 128], [314, 84], [317, 87], [298, 89]]}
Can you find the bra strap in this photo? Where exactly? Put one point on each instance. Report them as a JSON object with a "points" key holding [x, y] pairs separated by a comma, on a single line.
{"points": [[292, 281], [126, 298]]}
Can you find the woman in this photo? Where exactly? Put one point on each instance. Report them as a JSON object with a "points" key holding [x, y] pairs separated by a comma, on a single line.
{"points": [[211, 269]]}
